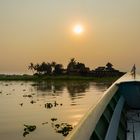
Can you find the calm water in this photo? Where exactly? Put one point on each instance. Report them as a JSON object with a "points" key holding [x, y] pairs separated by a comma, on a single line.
{"points": [[49, 107]]}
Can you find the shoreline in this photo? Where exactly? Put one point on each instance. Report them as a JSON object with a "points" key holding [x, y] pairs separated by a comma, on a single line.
{"points": [[62, 77]]}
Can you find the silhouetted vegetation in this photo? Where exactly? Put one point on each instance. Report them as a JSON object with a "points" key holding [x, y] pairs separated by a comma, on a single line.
{"points": [[77, 68], [74, 71], [74, 68]]}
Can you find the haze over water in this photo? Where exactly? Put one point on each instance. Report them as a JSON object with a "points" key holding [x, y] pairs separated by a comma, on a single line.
{"points": [[42, 30], [24, 103], [93, 32]]}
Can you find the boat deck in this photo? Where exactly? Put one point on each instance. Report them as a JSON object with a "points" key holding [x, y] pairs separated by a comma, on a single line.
{"points": [[133, 125]]}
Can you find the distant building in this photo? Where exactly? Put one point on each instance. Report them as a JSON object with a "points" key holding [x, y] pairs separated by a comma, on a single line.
{"points": [[106, 71], [100, 69]]}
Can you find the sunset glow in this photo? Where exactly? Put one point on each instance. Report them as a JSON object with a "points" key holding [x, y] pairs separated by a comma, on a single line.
{"points": [[78, 29], [94, 32]]}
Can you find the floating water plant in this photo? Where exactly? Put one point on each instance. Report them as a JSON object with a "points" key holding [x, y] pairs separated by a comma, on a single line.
{"points": [[25, 133], [28, 129], [63, 128], [44, 123], [32, 102], [21, 104], [57, 125], [28, 96], [55, 103], [48, 105], [53, 119]]}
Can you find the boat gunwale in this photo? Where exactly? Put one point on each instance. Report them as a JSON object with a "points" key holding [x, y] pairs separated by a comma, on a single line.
{"points": [[87, 124], [83, 130]]}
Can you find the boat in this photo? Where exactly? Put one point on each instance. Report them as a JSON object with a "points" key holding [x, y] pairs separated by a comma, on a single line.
{"points": [[116, 116]]}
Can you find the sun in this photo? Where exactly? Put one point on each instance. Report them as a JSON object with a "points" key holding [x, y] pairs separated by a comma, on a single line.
{"points": [[78, 29]]}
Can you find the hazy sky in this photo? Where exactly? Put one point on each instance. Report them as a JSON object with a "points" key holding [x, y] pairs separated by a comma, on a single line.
{"points": [[42, 30]]}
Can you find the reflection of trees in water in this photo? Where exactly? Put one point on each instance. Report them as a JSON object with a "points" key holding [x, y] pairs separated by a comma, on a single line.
{"points": [[74, 88], [49, 87], [102, 86], [43, 86], [77, 88], [58, 86]]}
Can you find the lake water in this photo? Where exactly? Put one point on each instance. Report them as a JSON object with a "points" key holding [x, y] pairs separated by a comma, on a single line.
{"points": [[45, 110]]}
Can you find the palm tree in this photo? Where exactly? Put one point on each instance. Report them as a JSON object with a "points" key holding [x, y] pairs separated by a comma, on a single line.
{"points": [[71, 66], [31, 67], [73, 61]]}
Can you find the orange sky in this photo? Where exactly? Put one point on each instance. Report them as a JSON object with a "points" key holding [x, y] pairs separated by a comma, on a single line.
{"points": [[36, 31]]}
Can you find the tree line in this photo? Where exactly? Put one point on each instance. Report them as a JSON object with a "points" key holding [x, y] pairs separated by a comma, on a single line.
{"points": [[73, 68], [53, 68]]}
